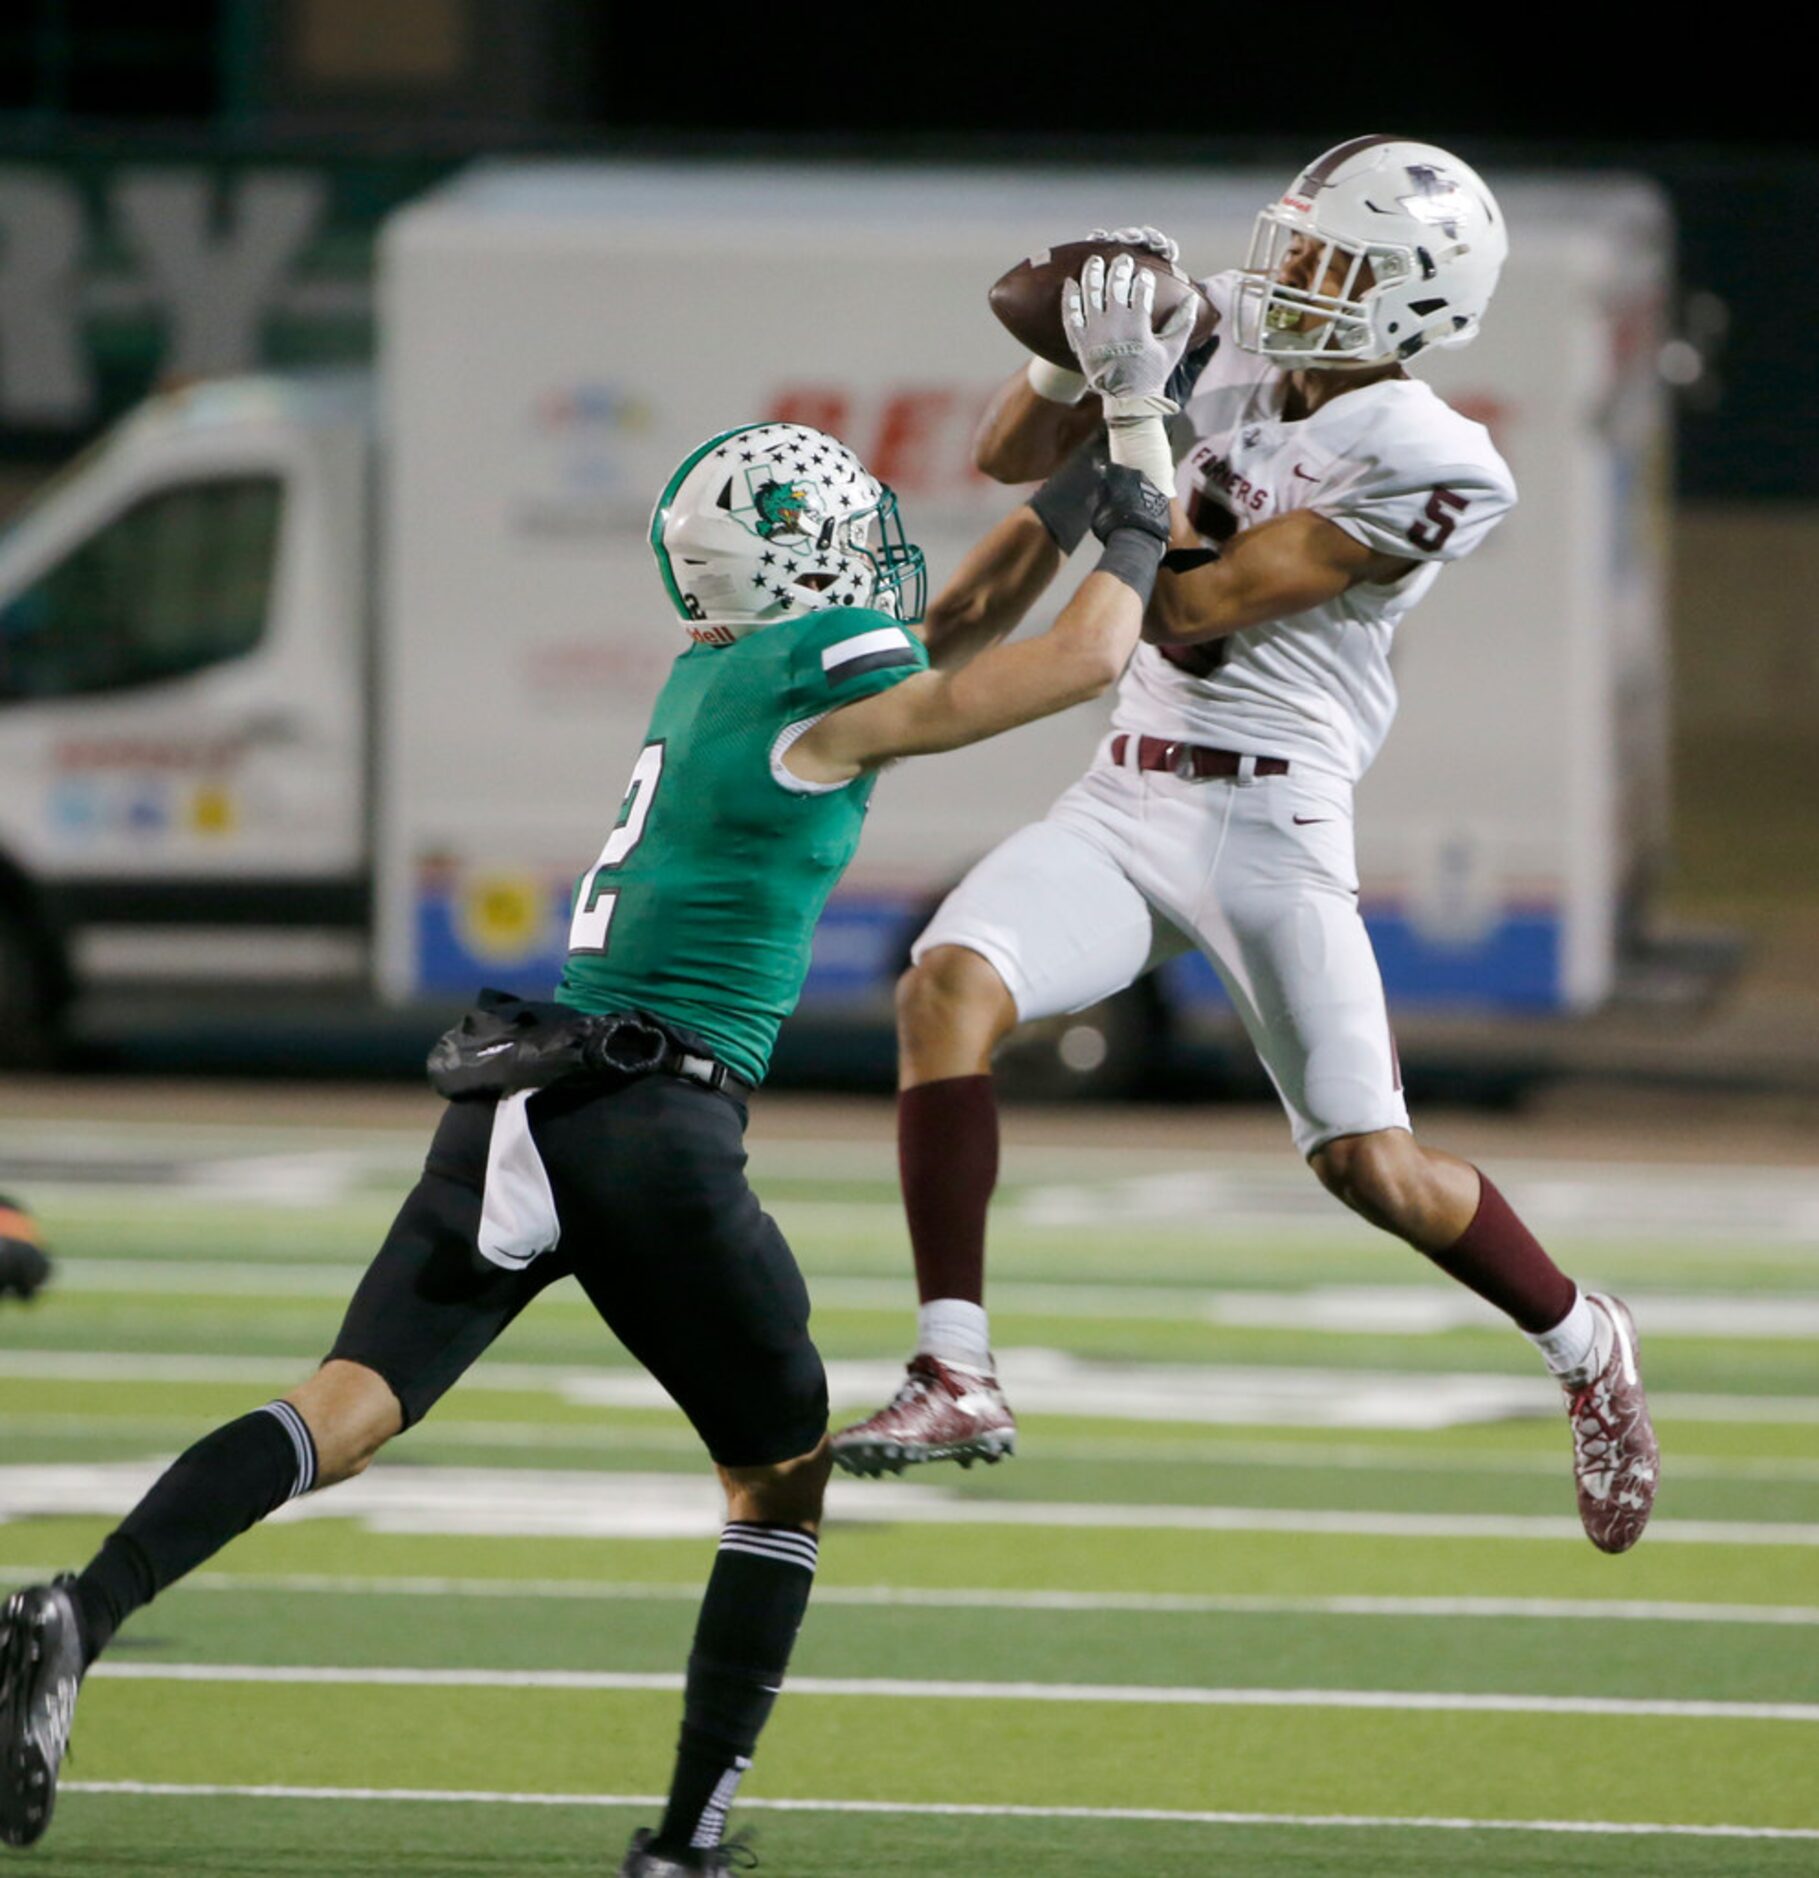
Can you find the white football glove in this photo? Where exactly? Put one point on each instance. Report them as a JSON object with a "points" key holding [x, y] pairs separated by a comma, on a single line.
{"points": [[1055, 382], [1106, 314], [1140, 237]]}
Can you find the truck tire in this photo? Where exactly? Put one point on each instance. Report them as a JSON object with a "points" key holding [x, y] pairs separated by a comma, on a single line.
{"points": [[31, 1001]]}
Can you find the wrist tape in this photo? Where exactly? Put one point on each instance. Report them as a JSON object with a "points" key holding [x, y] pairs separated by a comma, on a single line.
{"points": [[1141, 443], [1133, 555], [1055, 382]]}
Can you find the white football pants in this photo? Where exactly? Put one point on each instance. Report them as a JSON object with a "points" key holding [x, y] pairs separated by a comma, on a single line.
{"points": [[1133, 867]]}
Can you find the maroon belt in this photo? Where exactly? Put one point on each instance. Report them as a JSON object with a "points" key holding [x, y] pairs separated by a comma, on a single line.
{"points": [[1190, 759]]}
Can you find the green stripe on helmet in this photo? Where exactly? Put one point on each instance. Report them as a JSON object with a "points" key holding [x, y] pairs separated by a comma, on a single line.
{"points": [[660, 514]]}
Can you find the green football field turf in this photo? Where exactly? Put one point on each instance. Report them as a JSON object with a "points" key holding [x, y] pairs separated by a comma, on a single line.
{"points": [[1285, 1579]]}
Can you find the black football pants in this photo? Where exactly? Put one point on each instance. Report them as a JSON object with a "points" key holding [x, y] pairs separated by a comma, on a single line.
{"points": [[659, 1228]]}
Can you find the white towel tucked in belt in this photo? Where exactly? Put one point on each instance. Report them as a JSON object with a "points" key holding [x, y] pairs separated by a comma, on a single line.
{"points": [[518, 1211]]}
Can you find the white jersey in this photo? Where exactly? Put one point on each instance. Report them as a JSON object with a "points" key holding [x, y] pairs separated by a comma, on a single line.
{"points": [[1393, 465]]}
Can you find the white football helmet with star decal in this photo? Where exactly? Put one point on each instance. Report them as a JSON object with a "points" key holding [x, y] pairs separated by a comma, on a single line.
{"points": [[770, 521], [1420, 241]]}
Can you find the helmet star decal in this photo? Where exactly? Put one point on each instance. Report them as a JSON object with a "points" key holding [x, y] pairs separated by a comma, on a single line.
{"points": [[775, 520]]}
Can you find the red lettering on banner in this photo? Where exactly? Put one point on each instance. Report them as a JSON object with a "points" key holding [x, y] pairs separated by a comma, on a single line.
{"points": [[903, 455], [918, 440]]}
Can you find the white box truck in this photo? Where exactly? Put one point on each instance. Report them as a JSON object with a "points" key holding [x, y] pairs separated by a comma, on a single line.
{"points": [[336, 680]]}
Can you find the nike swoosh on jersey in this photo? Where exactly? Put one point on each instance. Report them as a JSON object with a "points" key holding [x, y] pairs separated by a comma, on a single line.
{"points": [[1307, 821], [1309, 474]]}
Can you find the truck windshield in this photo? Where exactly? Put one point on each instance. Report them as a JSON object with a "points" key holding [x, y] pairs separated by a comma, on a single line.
{"points": [[177, 582]]}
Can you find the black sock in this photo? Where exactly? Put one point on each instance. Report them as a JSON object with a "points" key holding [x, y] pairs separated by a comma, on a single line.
{"points": [[749, 1619], [227, 1482]]}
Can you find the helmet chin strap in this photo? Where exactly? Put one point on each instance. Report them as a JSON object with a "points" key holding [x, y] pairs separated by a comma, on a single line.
{"points": [[1349, 367]]}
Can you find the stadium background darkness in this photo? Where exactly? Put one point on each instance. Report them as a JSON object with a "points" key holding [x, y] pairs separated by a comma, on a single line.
{"points": [[424, 84]]}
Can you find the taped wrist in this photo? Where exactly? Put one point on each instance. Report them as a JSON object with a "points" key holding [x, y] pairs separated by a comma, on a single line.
{"points": [[1141, 443], [1055, 382], [1132, 555], [1064, 504]]}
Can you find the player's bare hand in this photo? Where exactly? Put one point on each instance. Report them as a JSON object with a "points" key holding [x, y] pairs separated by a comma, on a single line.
{"points": [[1108, 316]]}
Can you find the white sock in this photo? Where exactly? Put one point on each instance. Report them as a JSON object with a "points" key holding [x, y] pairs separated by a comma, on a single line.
{"points": [[1576, 1348], [955, 1331]]}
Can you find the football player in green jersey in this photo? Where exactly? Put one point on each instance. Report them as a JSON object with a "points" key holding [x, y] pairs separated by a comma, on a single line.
{"points": [[600, 1136]]}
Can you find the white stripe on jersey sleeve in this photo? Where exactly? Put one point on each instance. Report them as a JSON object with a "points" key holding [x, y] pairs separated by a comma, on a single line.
{"points": [[863, 646]]}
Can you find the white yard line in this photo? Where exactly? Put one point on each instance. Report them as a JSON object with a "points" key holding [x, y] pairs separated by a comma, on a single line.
{"points": [[1347, 1458], [1129, 1815], [78, 1142], [905, 1688], [266, 1372], [550, 1503], [1340, 1310], [1757, 1207], [1134, 1603], [1043, 1382], [1077, 1185], [609, 1438]]}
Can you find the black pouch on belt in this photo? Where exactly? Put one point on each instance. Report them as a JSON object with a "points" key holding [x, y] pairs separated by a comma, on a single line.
{"points": [[507, 1044]]}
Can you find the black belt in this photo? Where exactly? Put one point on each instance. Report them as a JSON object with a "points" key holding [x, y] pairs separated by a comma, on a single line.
{"points": [[508, 1044], [1193, 760], [708, 1071]]}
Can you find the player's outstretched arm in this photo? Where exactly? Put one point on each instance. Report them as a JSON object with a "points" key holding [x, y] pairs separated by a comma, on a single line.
{"points": [[1078, 658], [1004, 575], [997, 582], [1283, 566]]}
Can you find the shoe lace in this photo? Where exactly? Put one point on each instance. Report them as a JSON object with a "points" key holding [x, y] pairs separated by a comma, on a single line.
{"points": [[735, 1854], [913, 1388]]}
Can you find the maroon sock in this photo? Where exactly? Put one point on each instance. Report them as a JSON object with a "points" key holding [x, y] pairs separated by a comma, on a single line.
{"points": [[947, 1158], [1500, 1259]]}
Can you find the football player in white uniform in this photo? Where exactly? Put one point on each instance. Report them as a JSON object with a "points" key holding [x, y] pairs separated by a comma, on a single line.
{"points": [[1321, 494]]}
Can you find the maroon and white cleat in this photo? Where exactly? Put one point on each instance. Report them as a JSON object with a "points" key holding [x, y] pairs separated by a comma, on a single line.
{"points": [[943, 1412], [1616, 1459]]}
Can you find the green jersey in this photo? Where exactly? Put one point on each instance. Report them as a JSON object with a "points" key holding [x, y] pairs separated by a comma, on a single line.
{"points": [[704, 900]]}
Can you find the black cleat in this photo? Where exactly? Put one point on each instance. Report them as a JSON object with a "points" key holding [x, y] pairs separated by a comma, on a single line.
{"points": [[40, 1668], [713, 1860]]}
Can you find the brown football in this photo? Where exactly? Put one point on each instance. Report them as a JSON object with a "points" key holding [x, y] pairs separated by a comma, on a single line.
{"points": [[1027, 300]]}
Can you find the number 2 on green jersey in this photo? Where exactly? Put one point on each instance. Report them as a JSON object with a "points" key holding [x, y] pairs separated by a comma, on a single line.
{"points": [[595, 902]]}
